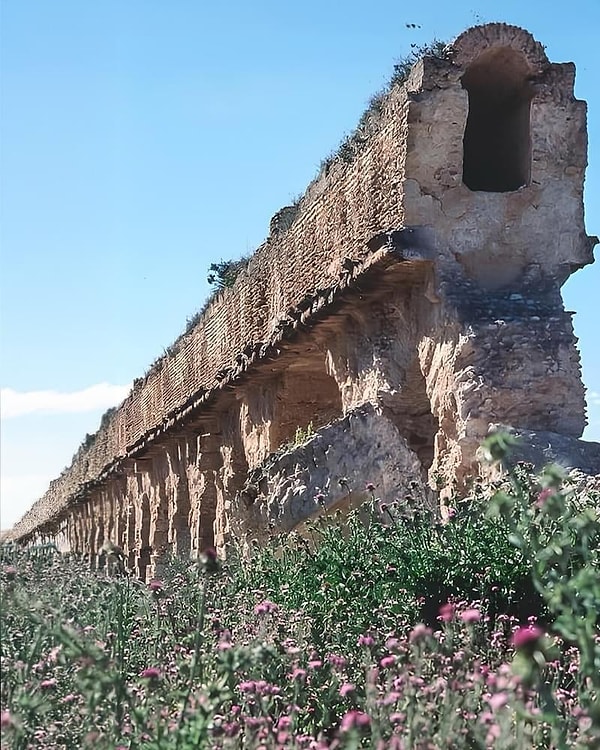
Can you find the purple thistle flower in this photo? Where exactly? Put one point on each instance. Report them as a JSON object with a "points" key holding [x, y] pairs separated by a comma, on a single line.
{"points": [[266, 607], [354, 720], [543, 496], [446, 612], [210, 560], [419, 631], [346, 689], [470, 615], [527, 638], [366, 640], [150, 673]]}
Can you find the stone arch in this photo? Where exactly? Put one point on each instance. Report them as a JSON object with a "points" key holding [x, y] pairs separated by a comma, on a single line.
{"points": [[130, 547], [143, 525]]}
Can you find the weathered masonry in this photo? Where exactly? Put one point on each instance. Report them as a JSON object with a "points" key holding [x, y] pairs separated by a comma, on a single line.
{"points": [[410, 300]]}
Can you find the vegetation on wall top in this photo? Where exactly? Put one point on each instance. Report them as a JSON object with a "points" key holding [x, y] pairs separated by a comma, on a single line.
{"points": [[368, 123]]}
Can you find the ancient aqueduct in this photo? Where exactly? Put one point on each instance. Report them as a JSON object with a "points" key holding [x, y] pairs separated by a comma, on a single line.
{"points": [[411, 299]]}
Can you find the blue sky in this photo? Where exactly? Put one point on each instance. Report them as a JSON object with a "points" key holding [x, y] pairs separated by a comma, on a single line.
{"points": [[142, 140]]}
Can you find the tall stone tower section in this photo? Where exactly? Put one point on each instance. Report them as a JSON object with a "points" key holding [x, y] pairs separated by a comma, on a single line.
{"points": [[496, 156], [409, 300]]}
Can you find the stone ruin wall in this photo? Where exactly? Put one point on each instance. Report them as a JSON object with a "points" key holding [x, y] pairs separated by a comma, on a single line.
{"points": [[399, 303]]}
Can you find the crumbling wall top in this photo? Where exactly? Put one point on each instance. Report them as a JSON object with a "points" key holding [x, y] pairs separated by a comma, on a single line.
{"points": [[481, 39]]}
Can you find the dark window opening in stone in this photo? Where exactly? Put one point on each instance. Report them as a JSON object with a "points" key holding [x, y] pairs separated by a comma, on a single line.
{"points": [[497, 142]]}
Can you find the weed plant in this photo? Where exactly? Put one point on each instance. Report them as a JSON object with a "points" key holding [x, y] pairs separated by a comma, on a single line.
{"points": [[386, 629]]}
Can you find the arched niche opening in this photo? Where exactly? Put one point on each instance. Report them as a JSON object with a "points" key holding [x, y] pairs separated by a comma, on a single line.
{"points": [[308, 399], [497, 140], [143, 525]]}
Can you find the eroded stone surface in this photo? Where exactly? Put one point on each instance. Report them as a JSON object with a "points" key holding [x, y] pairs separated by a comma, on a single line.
{"points": [[543, 448], [330, 470]]}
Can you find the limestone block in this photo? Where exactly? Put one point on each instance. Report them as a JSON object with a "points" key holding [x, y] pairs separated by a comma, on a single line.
{"points": [[542, 448], [328, 471]]}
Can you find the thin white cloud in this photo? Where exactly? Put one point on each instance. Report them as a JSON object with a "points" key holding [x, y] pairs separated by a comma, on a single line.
{"points": [[100, 396], [593, 398]]}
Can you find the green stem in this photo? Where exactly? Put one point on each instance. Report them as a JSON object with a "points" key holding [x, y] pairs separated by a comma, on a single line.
{"points": [[197, 664], [123, 602]]}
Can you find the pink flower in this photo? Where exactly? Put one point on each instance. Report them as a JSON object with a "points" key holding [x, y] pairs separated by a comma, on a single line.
{"points": [[155, 585], [365, 640], [446, 612], [493, 734], [527, 638], [231, 729], [336, 661], [498, 700], [470, 615], [354, 720], [53, 654], [10, 572], [346, 689], [418, 632], [210, 560], [543, 497], [298, 674], [6, 720], [387, 661], [262, 687], [48, 684], [265, 607], [150, 673]]}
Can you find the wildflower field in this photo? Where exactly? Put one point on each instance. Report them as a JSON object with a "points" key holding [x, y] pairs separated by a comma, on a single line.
{"points": [[390, 628]]}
